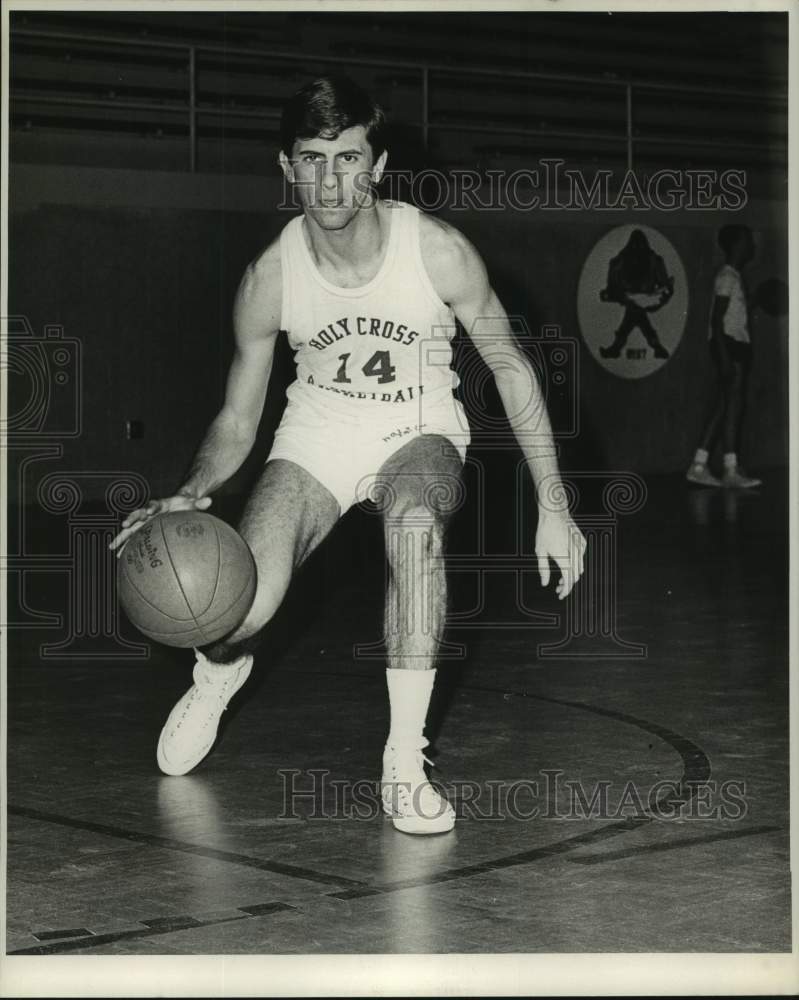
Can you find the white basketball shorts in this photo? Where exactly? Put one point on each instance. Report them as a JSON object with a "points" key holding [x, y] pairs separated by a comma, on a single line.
{"points": [[344, 448]]}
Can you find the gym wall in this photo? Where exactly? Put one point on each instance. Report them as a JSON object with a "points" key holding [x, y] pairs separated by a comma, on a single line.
{"points": [[140, 269]]}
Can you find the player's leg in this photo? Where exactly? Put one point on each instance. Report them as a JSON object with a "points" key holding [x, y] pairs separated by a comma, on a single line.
{"points": [[737, 381], [418, 486], [734, 392], [698, 471], [286, 517]]}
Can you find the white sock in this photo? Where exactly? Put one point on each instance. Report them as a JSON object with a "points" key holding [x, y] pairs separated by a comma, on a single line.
{"points": [[701, 456], [409, 694], [730, 461]]}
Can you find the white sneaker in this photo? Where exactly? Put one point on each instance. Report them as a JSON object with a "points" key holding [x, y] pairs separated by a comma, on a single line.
{"points": [[701, 475], [408, 797], [734, 479], [190, 730]]}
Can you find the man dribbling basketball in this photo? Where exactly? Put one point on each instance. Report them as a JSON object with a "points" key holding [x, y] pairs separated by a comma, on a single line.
{"points": [[367, 292]]}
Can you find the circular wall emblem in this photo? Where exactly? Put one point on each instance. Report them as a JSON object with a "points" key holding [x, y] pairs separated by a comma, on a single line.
{"points": [[632, 301]]}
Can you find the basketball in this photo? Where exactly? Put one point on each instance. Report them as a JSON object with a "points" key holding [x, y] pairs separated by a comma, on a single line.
{"points": [[186, 579], [772, 297]]}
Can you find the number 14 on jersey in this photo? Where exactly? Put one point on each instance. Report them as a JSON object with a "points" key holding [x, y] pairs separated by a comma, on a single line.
{"points": [[378, 366]]}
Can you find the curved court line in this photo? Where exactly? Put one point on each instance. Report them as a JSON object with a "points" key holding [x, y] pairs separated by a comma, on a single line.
{"points": [[696, 771], [696, 764]]}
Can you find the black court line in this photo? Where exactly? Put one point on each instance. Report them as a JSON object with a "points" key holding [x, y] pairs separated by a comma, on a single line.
{"points": [[170, 844], [154, 928], [69, 932], [671, 845], [497, 864], [696, 765]]}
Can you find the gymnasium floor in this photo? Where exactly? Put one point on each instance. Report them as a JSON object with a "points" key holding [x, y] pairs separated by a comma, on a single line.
{"points": [[108, 857]]}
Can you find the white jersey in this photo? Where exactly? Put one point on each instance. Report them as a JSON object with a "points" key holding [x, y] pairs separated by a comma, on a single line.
{"points": [[368, 350], [728, 285]]}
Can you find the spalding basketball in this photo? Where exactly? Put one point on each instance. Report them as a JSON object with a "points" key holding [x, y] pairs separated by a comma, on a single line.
{"points": [[186, 578]]}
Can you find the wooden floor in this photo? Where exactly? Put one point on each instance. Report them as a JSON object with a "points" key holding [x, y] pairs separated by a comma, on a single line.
{"points": [[622, 786]]}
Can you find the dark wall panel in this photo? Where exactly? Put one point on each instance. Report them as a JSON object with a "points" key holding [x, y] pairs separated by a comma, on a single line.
{"points": [[147, 289]]}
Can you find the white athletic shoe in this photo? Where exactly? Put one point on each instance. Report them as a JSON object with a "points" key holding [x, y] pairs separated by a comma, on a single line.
{"points": [[408, 797], [701, 475], [734, 479], [190, 730]]}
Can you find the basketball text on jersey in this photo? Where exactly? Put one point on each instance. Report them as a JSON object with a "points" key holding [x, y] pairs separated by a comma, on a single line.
{"points": [[410, 392], [364, 327]]}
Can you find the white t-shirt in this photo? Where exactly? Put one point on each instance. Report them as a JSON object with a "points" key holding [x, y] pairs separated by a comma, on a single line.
{"points": [[728, 285]]}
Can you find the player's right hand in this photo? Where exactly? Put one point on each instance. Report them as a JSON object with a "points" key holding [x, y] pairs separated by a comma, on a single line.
{"points": [[138, 518]]}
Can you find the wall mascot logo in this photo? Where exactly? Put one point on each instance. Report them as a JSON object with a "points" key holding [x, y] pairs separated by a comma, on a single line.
{"points": [[632, 301]]}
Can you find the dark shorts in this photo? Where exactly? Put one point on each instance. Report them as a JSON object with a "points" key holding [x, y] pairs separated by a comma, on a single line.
{"points": [[724, 350]]}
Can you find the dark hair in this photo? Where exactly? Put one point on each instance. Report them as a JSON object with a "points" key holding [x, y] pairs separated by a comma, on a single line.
{"points": [[730, 235], [326, 107]]}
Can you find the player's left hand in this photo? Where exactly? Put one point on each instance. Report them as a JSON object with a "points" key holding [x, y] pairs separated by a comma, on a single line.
{"points": [[558, 538]]}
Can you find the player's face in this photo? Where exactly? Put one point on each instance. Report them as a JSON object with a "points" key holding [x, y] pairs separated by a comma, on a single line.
{"points": [[333, 177]]}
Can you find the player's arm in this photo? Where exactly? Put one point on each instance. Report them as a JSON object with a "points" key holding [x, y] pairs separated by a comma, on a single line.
{"points": [[459, 276], [229, 439], [717, 314]]}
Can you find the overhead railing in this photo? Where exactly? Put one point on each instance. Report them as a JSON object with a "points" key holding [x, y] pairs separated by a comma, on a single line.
{"points": [[102, 82]]}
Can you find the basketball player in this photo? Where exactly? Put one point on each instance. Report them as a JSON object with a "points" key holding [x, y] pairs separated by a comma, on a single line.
{"points": [[731, 351], [367, 292]]}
